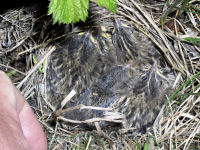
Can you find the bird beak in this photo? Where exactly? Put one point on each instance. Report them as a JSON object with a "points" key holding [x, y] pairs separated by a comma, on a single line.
{"points": [[88, 33], [117, 25], [155, 72]]}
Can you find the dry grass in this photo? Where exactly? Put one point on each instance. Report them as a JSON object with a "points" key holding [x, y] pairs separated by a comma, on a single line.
{"points": [[178, 124]]}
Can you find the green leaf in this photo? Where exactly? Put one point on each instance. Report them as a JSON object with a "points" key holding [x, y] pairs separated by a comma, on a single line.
{"points": [[11, 73], [72, 11], [192, 40], [109, 4], [68, 11]]}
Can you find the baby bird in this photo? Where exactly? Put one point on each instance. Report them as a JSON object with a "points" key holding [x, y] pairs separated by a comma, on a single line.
{"points": [[137, 96], [119, 71], [76, 65]]}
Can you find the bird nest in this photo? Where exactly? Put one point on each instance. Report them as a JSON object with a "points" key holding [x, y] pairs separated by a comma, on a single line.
{"points": [[27, 42]]}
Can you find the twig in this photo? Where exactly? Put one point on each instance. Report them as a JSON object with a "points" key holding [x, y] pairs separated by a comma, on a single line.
{"points": [[68, 98], [90, 120], [81, 106], [9, 67], [88, 144]]}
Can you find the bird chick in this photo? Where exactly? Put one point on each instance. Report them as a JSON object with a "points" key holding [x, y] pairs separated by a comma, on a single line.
{"points": [[76, 64], [137, 96], [118, 71]]}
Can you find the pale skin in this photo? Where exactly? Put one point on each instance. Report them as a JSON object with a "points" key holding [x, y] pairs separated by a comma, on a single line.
{"points": [[19, 127]]}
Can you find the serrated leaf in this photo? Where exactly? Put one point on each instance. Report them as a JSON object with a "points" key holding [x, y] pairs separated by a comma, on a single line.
{"points": [[68, 11], [109, 4]]}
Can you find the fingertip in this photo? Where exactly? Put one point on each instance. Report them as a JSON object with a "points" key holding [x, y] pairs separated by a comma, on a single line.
{"points": [[7, 95], [4, 77], [32, 129], [2, 73]]}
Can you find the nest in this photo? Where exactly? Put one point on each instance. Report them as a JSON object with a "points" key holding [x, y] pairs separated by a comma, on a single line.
{"points": [[27, 42]]}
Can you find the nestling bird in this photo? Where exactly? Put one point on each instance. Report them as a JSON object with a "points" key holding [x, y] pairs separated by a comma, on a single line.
{"points": [[117, 69]]}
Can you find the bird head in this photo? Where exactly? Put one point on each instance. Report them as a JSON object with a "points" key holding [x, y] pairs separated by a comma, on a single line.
{"points": [[152, 82]]}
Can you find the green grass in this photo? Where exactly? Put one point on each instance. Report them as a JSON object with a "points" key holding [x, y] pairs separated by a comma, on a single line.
{"points": [[187, 83]]}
